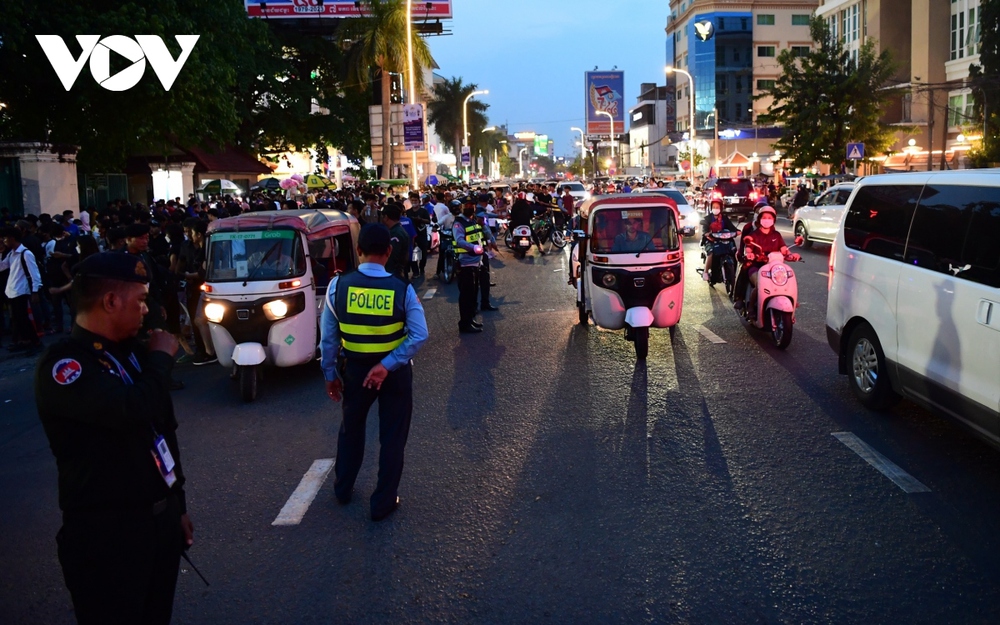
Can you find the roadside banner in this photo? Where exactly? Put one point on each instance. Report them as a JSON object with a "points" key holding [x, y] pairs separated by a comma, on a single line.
{"points": [[413, 127], [291, 9], [605, 91], [466, 156]]}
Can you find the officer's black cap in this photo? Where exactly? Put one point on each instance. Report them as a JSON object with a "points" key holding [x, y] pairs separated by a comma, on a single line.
{"points": [[469, 199], [374, 239], [113, 266], [136, 230], [484, 198]]}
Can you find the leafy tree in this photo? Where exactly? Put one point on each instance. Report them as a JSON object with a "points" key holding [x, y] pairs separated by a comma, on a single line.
{"points": [[444, 111], [202, 106], [379, 47], [985, 84], [685, 155], [825, 99]]}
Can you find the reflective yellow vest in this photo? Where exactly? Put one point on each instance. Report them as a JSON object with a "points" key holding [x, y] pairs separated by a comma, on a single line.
{"points": [[473, 235], [372, 314]]}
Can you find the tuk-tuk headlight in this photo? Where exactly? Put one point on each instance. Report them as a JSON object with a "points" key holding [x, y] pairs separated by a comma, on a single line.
{"points": [[609, 280], [275, 310], [214, 312], [668, 277]]}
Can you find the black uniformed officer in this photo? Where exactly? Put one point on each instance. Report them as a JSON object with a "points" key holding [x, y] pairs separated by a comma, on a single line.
{"points": [[104, 401], [372, 325]]}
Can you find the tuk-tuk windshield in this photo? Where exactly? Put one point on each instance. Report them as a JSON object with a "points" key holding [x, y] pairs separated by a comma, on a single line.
{"points": [[622, 230], [254, 254]]}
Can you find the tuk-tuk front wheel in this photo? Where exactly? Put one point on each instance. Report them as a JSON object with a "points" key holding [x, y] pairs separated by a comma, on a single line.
{"points": [[641, 338], [248, 376]]}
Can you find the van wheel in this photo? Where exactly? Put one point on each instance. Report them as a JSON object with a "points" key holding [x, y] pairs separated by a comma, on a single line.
{"points": [[248, 382], [868, 374], [800, 231]]}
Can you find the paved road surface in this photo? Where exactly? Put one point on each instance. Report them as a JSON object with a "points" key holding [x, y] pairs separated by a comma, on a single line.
{"points": [[551, 479]]}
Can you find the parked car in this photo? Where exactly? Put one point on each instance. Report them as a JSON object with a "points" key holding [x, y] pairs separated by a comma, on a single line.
{"points": [[576, 189], [819, 220], [914, 302], [737, 194], [690, 219]]}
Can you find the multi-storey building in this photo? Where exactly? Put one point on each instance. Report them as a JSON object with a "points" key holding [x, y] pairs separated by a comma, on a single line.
{"points": [[649, 146], [730, 47]]}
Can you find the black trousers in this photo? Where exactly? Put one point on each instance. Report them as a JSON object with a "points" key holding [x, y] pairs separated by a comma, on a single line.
{"points": [[484, 281], [21, 329], [468, 291], [121, 566], [395, 408]]}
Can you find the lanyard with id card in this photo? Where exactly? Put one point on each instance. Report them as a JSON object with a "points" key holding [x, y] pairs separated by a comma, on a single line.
{"points": [[161, 451]]}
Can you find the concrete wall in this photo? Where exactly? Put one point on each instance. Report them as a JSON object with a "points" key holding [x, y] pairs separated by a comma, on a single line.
{"points": [[48, 179]]}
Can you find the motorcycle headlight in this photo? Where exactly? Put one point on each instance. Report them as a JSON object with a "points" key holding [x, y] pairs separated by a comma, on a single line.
{"points": [[609, 280], [214, 312], [779, 275], [275, 310]]}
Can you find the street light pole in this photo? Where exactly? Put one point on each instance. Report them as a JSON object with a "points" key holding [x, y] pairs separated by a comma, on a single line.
{"points": [[465, 127], [520, 160], [413, 92], [612, 118], [583, 151], [691, 129]]}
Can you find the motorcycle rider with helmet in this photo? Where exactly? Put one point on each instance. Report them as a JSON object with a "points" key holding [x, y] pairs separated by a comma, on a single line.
{"points": [[521, 214], [762, 241], [714, 221]]}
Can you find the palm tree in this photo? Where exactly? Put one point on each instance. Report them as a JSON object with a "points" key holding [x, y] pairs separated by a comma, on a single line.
{"points": [[378, 45], [444, 111]]}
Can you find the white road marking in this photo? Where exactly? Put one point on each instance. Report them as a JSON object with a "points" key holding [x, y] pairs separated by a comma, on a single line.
{"points": [[711, 336], [556, 270], [297, 505], [429, 293], [822, 273], [886, 467]]}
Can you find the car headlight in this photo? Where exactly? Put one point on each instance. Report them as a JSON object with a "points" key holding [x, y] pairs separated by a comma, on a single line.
{"points": [[214, 312], [275, 310]]}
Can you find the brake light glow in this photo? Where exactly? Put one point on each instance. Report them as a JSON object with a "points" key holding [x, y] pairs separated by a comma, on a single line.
{"points": [[716, 195], [753, 196], [206, 288], [833, 261], [290, 284]]}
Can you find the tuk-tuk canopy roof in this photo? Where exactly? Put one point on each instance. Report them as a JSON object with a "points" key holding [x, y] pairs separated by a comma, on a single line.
{"points": [[624, 199], [316, 224]]}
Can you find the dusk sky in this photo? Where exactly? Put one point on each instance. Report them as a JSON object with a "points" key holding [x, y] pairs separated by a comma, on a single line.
{"points": [[532, 55]]}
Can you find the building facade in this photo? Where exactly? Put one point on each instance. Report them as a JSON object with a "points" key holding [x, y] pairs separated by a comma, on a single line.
{"points": [[730, 48], [933, 43], [650, 125]]}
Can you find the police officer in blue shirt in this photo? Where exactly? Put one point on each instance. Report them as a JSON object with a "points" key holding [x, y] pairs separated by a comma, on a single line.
{"points": [[372, 326]]}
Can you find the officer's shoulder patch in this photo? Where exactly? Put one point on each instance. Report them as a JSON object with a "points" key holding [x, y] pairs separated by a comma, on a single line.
{"points": [[66, 371]]}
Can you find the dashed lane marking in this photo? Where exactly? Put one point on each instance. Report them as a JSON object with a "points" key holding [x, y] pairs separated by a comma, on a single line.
{"points": [[823, 273], [429, 293], [886, 467], [711, 336], [297, 505]]}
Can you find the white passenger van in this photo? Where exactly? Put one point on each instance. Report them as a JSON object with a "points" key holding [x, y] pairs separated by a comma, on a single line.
{"points": [[914, 303]]}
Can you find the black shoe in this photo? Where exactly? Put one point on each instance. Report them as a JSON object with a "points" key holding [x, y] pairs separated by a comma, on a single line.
{"points": [[470, 329], [385, 515], [476, 324], [739, 305], [343, 500], [204, 359], [488, 308]]}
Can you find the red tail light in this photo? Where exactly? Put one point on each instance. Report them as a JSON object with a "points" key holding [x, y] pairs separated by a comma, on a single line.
{"points": [[833, 261], [753, 196], [716, 195]]}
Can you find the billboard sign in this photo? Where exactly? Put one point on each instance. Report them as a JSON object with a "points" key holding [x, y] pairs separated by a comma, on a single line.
{"points": [[281, 9], [466, 156], [413, 127], [605, 92], [541, 145]]}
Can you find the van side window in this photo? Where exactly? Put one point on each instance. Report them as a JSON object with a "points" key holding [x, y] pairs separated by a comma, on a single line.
{"points": [[941, 225], [842, 196], [879, 217], [982, 246]]}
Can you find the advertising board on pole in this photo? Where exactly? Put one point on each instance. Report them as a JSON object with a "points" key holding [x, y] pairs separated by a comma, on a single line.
{"points": [[605, 91], [541, 145], [285, 9], [413, 127], [466, 156]]}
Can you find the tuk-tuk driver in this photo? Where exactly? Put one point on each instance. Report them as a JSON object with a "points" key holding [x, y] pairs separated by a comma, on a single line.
{"points": [[633, 239]]}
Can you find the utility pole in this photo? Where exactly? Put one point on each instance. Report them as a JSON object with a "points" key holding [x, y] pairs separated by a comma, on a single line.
{"points": [[930, 131], [944, 135]]}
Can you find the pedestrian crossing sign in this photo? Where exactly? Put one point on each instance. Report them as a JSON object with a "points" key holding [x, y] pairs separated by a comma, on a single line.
{"points": [[855, 151]]}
